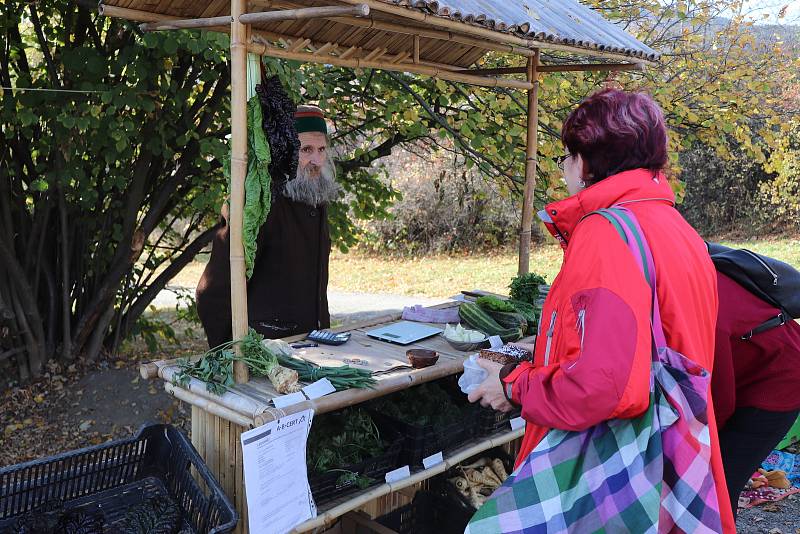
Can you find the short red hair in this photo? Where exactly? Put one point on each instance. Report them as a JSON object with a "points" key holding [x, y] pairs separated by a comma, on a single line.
{"points": [[616, 131]]}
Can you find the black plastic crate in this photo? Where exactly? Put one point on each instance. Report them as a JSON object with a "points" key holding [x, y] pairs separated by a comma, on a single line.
{"points": [[109, 479], [489, 421], [400, 520], [429, 513], [419, 442]]}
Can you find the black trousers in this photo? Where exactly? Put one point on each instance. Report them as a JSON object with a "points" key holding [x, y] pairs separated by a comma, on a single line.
{"points": [[746, 440]]}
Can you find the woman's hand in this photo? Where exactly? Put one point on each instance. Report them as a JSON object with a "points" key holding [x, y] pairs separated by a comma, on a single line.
{"points": [[490, 392]]}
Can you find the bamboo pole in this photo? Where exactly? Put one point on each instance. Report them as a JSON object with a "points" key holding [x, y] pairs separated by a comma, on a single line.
{"points": [[357, 10], [530, 166], [356, 63], [239, 323], [555, 68], [132, 14], [184, 24], [207, 406]]}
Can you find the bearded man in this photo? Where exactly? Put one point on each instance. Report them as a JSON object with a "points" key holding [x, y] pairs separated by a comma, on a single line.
{"points": [[287, 293]]}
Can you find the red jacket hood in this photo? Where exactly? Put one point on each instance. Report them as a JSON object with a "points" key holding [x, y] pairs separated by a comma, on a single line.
{"points": [[563, 216]]}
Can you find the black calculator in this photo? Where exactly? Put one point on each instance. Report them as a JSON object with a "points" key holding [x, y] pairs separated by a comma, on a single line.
{"points": [[327, 337]]}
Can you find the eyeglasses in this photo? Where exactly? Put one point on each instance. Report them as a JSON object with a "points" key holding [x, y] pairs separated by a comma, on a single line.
{"points": [[561, 160]]}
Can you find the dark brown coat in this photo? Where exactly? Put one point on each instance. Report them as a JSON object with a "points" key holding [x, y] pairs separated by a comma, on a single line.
{"points": [[287, 293]]}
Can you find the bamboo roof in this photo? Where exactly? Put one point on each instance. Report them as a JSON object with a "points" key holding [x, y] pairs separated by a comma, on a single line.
{"points": [[452, 33]]}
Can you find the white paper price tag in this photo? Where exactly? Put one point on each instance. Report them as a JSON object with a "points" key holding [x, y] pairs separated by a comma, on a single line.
{"points": [[495, 342], [288, 400], [398, 474], [432, 460], [318, 389], [517, 422]]}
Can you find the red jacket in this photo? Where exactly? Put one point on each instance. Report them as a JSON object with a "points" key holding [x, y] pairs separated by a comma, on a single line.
{"points": [[761, 372], [592, 356]]}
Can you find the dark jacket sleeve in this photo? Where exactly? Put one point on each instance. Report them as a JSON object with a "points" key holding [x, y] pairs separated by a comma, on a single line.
{"points": [[213, 291]]}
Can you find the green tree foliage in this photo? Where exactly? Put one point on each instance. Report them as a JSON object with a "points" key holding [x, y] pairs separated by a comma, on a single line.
{"points": [[108, 190], [109, 159]]}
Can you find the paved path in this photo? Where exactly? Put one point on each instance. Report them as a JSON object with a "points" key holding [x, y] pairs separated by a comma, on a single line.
{"points": [[344, 307]]}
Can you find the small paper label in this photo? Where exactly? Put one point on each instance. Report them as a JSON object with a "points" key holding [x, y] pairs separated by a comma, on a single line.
{"points": [[288, 400], [432, 460], [318, 389], [495, 342], [398, 474], [517, 422]]}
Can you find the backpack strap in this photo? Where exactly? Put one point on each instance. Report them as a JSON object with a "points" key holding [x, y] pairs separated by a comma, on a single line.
{"points": [[769, 324]]}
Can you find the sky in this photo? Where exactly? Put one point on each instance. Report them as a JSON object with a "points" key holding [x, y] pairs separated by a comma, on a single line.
{"points": [[772, 7]]}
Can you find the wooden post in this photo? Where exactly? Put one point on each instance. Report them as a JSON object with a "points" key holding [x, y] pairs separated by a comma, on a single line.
{"points": [[530, 165], [239, 322]]}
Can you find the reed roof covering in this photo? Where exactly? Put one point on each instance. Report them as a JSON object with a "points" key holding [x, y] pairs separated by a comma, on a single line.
{"points": [[456, 33]]}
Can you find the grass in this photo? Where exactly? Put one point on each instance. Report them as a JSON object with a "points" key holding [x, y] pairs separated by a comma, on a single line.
{"points": [[446, 275]]}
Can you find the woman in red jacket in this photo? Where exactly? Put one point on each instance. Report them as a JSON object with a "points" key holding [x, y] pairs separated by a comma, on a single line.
{"points": [[754, 383], [592, 357]]}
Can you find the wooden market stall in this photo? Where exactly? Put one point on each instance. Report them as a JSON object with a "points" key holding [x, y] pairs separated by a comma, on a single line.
{"points": [[442, 39]]}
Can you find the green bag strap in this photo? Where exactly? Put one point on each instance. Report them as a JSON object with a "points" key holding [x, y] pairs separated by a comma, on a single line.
{"points": [[607, 214]]}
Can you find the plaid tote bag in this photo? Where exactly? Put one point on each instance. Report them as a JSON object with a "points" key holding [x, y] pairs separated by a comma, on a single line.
{"points": [[648, 474]]}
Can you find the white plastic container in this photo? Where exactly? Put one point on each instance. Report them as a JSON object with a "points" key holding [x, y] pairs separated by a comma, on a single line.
{"points": [[473, 376]]}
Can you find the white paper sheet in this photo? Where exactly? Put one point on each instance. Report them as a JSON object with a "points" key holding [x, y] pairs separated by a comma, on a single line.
{"points": [[318, 389], [432, 460], [278, 495], [288, 400], [517, 422]]}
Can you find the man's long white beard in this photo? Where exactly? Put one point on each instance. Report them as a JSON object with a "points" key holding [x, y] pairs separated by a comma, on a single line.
{"points": [[314, 190]]}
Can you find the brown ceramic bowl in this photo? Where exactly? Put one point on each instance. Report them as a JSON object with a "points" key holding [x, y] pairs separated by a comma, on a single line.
{"points": [[420, 358]]}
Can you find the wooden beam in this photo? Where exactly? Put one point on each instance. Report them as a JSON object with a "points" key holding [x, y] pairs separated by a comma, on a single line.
{"points": [[239, 322], [531, 162], [356, 63], [357, 10]]}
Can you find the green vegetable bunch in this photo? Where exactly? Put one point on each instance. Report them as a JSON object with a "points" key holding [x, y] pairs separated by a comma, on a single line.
{"points": [[215, 367], [525, 287], [344, 377], [495, 304]]}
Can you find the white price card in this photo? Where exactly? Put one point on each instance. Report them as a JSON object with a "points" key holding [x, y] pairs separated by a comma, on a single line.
{"points": [[318, 389], [288, 400], [398, 474], [276, 481], [495, 342], [433, 459], [517, 422]]}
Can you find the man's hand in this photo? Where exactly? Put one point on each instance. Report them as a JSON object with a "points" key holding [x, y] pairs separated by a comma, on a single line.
{"points": [[490, 392]]}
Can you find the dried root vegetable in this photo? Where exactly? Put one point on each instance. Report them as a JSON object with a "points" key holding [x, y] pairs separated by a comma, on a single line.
{"points": [[285, 380], [499, 469]]}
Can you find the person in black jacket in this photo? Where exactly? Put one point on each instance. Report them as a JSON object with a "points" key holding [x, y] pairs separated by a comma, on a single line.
{"points": [[287, 293]]}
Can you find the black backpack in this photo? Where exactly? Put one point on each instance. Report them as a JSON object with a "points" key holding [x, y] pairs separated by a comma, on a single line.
{"points": [[773, 281]]}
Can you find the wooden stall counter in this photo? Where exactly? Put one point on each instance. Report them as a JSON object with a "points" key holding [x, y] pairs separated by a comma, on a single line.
{"points": [[219, 420]]}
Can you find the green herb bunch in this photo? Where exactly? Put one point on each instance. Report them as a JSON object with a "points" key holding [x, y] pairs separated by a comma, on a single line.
{"points": [[427, 404], [344, 438]]}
